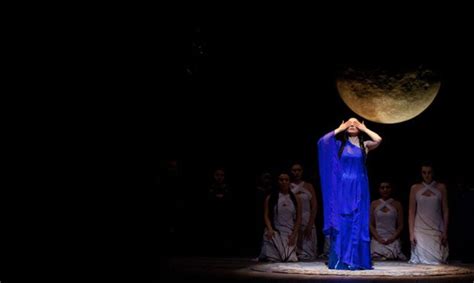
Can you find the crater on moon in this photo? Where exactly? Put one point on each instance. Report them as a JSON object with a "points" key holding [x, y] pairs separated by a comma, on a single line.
{"points": [[387, 94]]}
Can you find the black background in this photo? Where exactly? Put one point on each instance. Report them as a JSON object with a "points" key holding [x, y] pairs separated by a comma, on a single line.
{"points": [[255, 95]]}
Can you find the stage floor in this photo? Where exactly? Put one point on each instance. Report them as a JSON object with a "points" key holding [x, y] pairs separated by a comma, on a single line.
{"points": [[203, 268]]}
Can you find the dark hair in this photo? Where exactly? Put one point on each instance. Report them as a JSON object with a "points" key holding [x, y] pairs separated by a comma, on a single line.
{"points": [[296, 163], [426, 163], [262, 176], [273, 202], [388, 182], [361, 145]]}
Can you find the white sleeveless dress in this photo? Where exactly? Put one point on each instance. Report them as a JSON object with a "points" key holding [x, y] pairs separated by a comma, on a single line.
{"points": [[277, 249], [306, 248], [386, 216], [428, 228]]}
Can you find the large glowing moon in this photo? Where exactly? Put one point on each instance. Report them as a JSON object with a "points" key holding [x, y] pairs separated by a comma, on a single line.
{"points": [[388, 95]]}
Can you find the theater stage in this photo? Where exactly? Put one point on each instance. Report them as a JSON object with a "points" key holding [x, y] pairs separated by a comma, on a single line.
{"points": [[204, 269]]}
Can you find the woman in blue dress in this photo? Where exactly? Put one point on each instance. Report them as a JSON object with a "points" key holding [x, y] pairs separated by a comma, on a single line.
{"points": [[346, 197]]}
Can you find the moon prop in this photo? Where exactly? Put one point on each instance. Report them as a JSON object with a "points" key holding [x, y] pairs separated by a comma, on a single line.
{"points": [[388, 95]]}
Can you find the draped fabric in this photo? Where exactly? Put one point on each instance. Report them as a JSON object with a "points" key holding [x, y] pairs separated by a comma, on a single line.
{"points": [[306, 247], [386, 217], [277, 248], [346, 203], [429, 227]]}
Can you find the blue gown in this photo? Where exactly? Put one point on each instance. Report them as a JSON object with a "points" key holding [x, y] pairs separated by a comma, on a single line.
{"points": [[346, 203]]}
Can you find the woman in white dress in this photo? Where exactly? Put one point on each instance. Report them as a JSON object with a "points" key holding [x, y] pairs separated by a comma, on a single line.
{"points": [[428, 220], [307, 245], [386, 225], [282, 220]]}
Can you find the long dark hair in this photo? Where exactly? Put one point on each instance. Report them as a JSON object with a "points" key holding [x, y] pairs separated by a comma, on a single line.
{"points": [[273, 201], [361, 144]]}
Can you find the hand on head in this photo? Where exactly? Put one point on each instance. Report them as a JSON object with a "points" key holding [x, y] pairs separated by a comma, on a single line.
{"points": [[344, 125], [352, 125], [359, 125]]}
